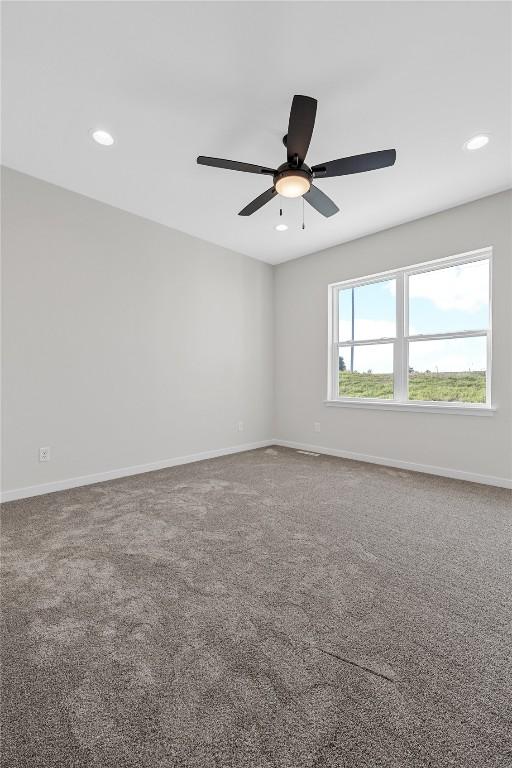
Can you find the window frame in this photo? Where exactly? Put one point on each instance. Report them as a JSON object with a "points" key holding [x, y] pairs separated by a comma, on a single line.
{"points": [[401, 340]]}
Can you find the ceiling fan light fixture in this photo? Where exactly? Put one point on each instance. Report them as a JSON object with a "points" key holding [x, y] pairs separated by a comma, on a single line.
{"points": [[292, 183]]}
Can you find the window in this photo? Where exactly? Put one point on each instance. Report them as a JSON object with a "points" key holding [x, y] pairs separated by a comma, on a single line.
{"points": [[414, 337]]}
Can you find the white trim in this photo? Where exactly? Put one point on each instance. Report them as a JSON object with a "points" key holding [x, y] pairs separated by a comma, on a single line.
{"points": [[114, 474], [450, 261], [455, 474], [401, 349], [424, 266], [366, 342], [488, 388], [449, 335], [420, 406], [332, 350], [377, 277]]}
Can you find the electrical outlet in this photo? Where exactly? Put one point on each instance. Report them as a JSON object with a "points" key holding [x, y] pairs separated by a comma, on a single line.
{"points": [[44, 454], [240, 426], [316, 426]]}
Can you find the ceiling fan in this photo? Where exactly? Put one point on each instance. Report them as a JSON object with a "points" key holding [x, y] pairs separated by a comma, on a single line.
{"points": [[294, 178]]}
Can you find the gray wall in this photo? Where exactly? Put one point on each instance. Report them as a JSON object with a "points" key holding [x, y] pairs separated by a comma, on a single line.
{"points": [[124, 342], [478, 445]]}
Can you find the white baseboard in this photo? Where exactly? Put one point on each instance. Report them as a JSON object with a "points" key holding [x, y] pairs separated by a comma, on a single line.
{"points": [[456, 474], [113, 474]]}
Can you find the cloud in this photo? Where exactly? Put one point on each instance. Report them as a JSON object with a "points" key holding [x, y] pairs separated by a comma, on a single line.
{"points": [[464, 288], [375, 357], [449, 355], [367, 329]]}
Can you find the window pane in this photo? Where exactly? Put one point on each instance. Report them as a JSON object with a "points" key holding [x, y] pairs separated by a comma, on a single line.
{"points": [[373, 310], [452, 370], [366, 371], [449, 300]]}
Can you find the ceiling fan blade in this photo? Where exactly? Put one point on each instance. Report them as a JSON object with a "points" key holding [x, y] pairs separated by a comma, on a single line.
{"points": [[355, 164], [234, 165], [320, 202], [300, 127], [258, 202]]}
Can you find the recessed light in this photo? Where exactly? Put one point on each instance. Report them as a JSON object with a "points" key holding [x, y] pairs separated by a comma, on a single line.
{"points": [[281, 227], [476, 142], [103, 137]]}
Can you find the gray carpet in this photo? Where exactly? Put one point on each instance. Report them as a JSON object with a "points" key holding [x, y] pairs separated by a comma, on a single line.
{"points": [[268, 609]]}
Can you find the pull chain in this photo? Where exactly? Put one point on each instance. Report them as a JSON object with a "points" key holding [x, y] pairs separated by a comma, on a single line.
{"points": [[303, 224]]}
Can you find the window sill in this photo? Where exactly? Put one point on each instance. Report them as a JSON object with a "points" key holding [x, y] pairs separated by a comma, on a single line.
{"points": [[390, 405]]}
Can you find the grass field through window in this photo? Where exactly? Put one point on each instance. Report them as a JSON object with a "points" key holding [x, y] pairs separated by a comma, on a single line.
{"points": [[464, 387]]}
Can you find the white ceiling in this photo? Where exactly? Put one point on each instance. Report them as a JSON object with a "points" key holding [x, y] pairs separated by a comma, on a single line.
{"points": [[174, 80]]}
